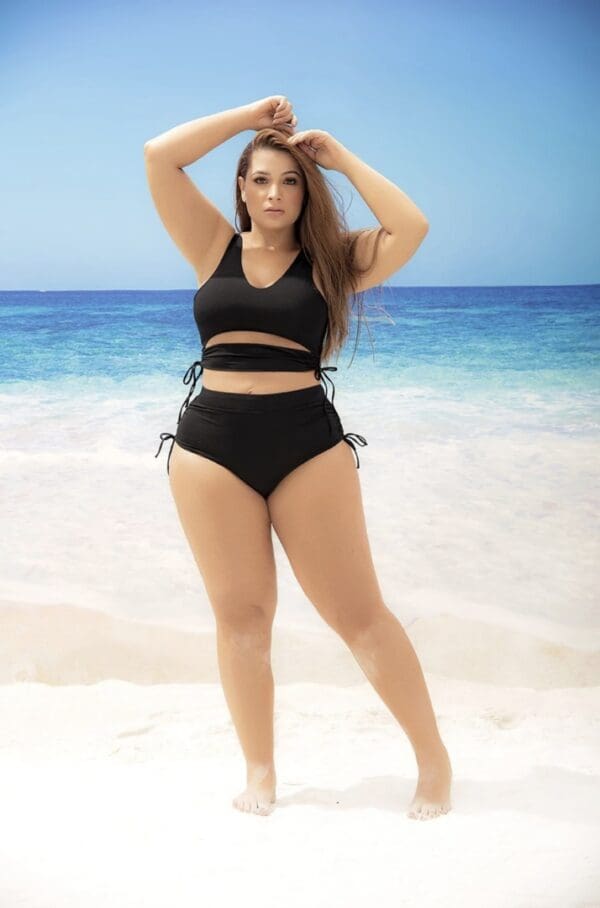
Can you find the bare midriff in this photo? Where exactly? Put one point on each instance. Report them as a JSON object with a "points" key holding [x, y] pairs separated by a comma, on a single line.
{"points": [[255, 382]]}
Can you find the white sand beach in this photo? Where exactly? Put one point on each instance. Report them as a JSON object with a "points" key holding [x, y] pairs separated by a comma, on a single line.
{"points": [[119, 763]]}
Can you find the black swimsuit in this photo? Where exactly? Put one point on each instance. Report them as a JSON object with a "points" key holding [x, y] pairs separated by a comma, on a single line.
{"points": [[260, 437]]}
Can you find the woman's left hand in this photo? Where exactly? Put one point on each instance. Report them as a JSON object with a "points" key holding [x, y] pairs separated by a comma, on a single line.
{"points": [[320, 146]]}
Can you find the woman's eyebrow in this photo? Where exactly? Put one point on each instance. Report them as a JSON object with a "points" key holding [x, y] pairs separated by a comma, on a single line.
{"points": [[268, 174]]}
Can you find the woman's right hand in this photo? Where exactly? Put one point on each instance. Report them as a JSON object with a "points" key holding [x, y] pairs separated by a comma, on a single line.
{"points": [[273, 113]]}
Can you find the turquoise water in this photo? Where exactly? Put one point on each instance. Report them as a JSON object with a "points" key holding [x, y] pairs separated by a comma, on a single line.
{"points": [[480, 478], [462, 343]]}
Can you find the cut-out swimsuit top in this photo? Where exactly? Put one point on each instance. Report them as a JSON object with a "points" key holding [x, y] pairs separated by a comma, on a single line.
{"points": [[292, 308]]}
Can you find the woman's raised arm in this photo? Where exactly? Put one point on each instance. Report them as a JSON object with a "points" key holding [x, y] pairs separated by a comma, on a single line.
{"points": [[193, 222]]}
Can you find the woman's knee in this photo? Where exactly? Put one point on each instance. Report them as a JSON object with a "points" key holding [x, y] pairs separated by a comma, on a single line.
{"points": [[238, 616], [354, 621]]}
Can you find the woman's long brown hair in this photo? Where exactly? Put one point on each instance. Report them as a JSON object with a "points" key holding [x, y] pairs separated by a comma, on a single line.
{"points": [[322, 232]]}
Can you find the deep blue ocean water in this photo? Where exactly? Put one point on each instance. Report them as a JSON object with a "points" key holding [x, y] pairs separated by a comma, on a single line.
{"points": [[480, 478], [458, 340]]}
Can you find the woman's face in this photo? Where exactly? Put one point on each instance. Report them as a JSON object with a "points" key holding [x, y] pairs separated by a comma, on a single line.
{"points": [[274, 180]]}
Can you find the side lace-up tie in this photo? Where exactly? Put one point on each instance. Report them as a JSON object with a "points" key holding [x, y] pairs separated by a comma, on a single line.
{"points": [[190, 378], [349, 437]]}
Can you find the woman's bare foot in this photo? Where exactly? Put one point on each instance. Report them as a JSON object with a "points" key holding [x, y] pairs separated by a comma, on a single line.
{"points": [[259, 794], [432, 797]]}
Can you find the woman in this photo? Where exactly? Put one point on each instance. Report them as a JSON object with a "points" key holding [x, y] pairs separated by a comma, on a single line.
{"points": [[261, 445]]}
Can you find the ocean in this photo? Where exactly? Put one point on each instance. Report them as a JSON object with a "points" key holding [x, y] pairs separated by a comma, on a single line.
{"points": [[480, 406]]}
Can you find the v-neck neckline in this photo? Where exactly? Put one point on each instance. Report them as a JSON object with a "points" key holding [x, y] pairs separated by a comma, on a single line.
{"points": [[279, 279]]}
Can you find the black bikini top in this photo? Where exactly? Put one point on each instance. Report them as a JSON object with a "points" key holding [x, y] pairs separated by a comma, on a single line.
{"points": [[292, 307]]}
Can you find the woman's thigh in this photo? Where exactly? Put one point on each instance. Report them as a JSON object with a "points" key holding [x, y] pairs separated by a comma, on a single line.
{"points": [[228, 528], [317, 513]]}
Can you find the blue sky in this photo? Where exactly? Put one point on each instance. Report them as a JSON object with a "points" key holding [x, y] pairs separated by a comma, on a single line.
{"points": [[484, 113]]}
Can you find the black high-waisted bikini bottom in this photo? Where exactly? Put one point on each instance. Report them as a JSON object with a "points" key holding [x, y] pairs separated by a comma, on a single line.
{"points": [[259, 437]]}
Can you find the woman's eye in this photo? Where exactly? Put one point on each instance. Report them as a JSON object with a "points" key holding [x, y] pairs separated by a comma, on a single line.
{"points": [[293, 179]]}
